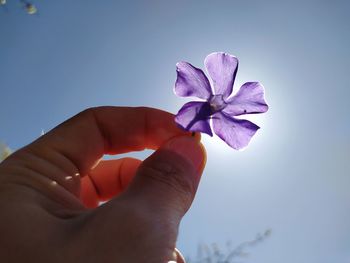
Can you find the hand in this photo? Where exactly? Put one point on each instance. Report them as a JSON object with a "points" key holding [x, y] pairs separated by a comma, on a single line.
{"points": [[50, 190]]}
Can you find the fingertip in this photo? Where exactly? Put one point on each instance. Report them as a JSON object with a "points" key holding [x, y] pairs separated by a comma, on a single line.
{"points": [[88, 194], [127, 171]]}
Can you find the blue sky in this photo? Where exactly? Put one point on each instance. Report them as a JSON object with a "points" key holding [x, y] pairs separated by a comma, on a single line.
{"points": [[293, 178]]}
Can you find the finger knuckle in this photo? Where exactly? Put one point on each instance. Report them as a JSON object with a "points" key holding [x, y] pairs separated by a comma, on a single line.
{"points": [[174, 177]]}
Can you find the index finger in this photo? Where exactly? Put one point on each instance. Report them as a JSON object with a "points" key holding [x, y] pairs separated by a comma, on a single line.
{"points": [[86, 137]]}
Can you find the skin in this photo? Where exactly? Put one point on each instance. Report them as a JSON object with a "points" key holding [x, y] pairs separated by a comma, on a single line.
{"points": [[50, 190]]}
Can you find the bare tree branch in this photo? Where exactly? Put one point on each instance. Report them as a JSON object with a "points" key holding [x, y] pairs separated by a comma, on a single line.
{"points": [[214, 254]]}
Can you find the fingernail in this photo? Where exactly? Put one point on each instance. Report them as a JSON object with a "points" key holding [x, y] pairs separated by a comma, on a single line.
{"points": [[190, 148]]}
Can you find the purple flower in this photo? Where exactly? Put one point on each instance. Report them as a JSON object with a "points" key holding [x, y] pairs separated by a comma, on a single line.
{"points": [[218, 106]]}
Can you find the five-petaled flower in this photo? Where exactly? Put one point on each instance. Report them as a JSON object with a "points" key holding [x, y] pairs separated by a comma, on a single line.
{"points": [[218, 106]]}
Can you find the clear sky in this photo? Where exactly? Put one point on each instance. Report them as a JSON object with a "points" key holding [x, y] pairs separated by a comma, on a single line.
{"points": [[293, 178]]}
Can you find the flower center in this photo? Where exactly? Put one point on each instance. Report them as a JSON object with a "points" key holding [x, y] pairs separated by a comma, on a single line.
{"points": [[217, 103]]}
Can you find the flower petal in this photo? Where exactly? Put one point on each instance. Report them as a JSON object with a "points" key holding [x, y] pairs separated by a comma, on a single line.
{"points": [[194, 116], [249, 99], [222, 69], [236, 133], [191, 81]]}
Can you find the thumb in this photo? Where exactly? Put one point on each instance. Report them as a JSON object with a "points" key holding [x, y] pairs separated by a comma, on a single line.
{"points": [[141, 225], [166, 182]]}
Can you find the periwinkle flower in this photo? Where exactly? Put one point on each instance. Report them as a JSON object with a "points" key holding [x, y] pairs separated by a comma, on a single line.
{"points": [[218, 105]]}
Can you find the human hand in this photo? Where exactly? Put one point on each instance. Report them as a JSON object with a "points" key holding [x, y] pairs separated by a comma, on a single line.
{"points": [[50, 190]]}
